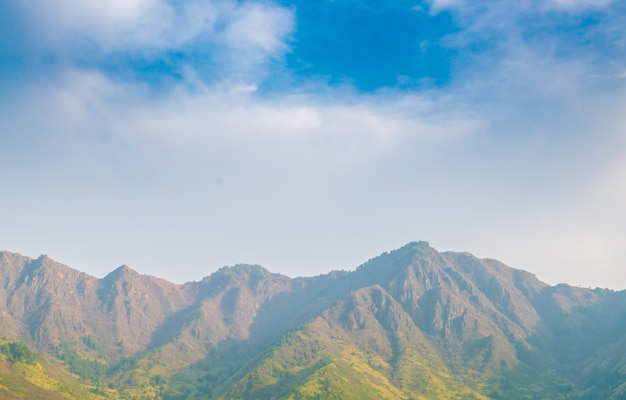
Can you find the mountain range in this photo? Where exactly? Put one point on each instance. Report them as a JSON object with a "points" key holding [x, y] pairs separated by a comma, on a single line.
{"points": [[413, 323]]}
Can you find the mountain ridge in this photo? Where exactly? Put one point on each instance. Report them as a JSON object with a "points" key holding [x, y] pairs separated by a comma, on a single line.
{"points": [[411, 322]]}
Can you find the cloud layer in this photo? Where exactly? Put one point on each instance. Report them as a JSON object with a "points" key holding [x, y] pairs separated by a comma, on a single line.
{"points": [[194, 134]]}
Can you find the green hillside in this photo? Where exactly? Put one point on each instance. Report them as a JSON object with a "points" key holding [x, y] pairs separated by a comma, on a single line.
{"points": [[25, 374]]}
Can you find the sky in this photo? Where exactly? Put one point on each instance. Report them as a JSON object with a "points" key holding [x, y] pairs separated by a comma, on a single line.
{"points": [[180, 136]]}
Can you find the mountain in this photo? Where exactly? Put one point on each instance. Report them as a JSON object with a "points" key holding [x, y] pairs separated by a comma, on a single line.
{"points": [[413, 323]]}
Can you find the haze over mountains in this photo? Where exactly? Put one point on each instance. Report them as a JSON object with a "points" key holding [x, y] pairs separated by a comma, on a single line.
{"points": [[411, 323]]}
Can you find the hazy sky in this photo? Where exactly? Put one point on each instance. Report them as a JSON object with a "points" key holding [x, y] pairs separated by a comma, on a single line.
{"points": [[181, 136]]}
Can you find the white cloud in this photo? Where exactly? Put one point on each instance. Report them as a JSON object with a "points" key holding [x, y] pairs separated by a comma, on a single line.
{"points": [[440, 5], [486, 186], [579, 4], [488, 7], [112, 25], [261, 25], [148, 25], [510, 160], [103, 161], [217, 118], [255, 33]]}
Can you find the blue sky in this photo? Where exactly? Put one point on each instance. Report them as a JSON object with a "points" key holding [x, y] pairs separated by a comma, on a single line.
{"points": [[181, 136]]}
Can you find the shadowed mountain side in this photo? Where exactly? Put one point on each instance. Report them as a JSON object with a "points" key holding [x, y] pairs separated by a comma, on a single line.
{"points": [[215, 326], [307, 299], [363, 347]]}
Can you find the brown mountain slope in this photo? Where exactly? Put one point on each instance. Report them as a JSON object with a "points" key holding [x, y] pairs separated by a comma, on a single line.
{"points": [[46, 303], [415, 321]]}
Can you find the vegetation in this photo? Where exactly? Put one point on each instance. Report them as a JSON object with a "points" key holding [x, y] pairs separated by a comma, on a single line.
{"points": [[91, 370], [18, 352], [25, 374]]}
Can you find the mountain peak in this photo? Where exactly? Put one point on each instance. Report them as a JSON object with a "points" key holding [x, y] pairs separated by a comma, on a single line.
{"points": [[249, 270], [123, 271], [43, 260], [419, 248], [402, 256]]}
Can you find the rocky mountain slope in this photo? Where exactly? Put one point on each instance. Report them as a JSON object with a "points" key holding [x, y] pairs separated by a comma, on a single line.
{"points": [[411, 323]]}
